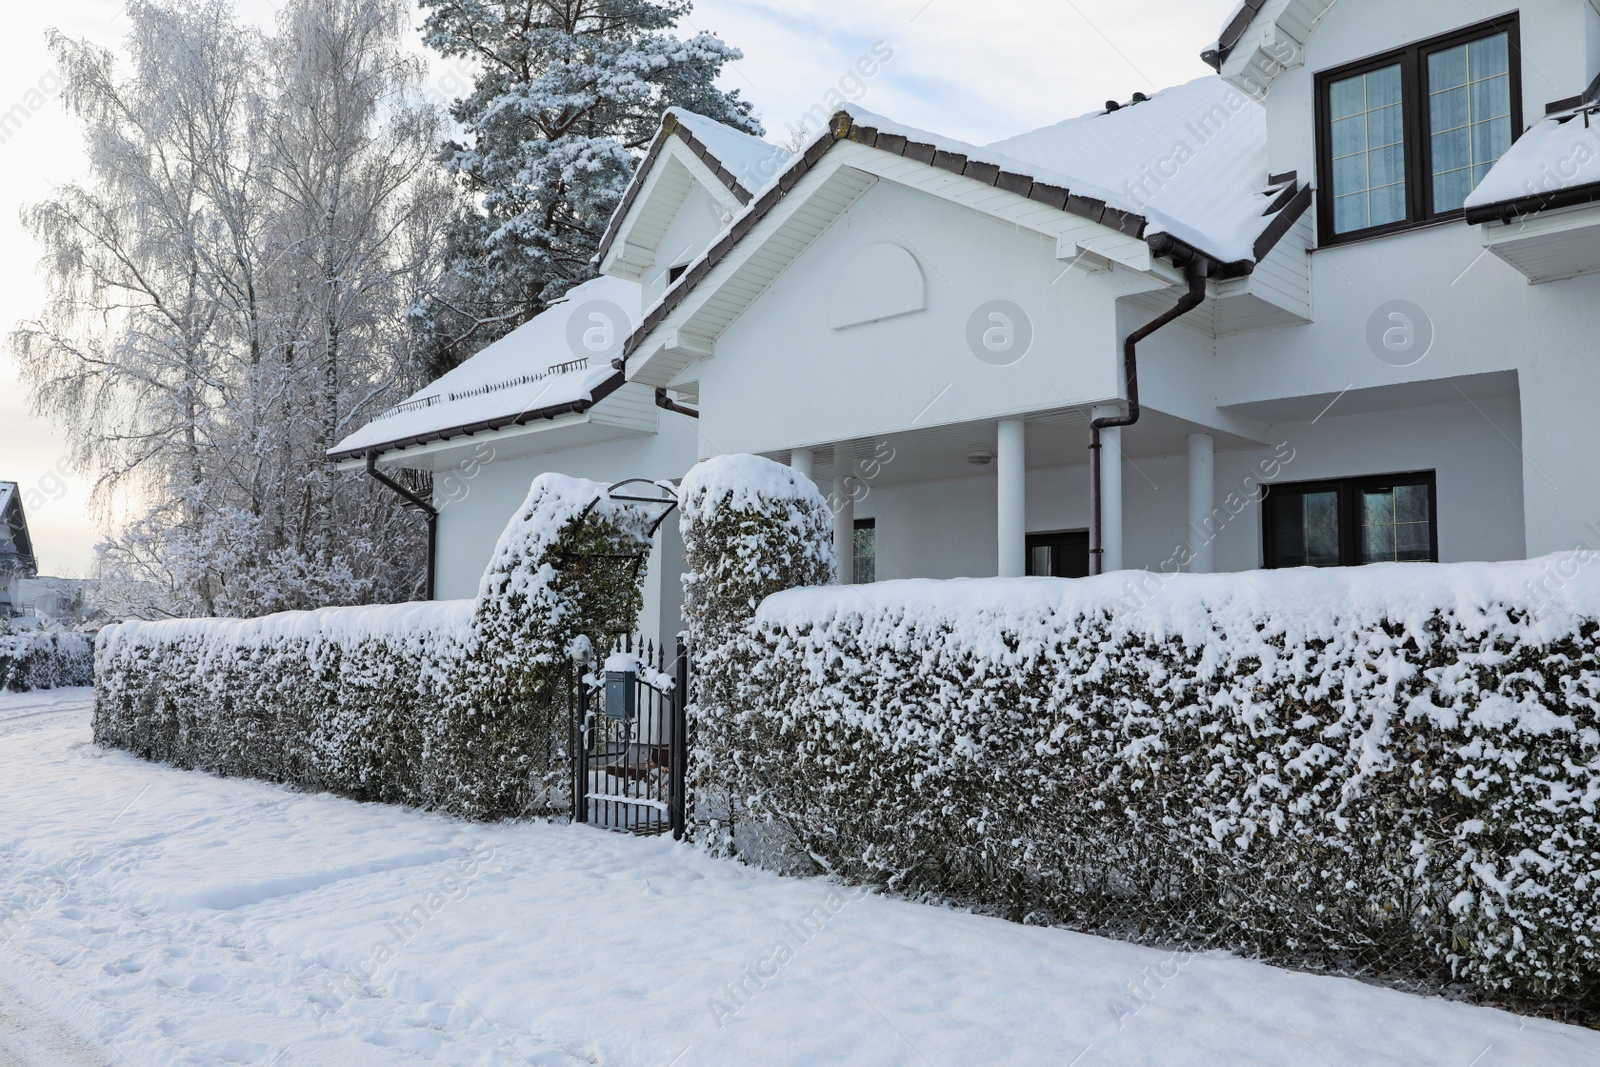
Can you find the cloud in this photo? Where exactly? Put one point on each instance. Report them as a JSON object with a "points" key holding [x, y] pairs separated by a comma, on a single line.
{"points": [[975, 71]]}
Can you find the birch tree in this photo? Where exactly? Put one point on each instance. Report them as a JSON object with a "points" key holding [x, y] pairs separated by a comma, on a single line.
{"points": [[228, 288]]}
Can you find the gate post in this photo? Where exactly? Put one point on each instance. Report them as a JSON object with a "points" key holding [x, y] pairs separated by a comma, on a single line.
{"points": [[678, 753], [580, 762]]}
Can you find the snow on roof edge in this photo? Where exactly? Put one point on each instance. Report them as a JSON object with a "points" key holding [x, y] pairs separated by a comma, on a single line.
{"points": [[518, 376], [1551, 158]]}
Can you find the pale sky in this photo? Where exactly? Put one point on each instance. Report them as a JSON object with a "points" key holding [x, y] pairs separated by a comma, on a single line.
{"points": [[976, 71]]}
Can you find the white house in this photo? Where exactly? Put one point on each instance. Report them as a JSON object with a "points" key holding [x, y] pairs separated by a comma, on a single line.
{"points": [[1357, 266]]}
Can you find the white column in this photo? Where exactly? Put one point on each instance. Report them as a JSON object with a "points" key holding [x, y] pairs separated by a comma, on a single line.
{"points": [[844, 530], [1012, 467], [1110, 489], [1202, 491], [802, 460]]}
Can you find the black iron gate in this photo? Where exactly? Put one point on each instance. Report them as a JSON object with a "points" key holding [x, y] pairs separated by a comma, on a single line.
{"points": [[630, 740]]}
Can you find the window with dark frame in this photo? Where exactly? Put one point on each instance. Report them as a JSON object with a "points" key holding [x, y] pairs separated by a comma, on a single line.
{"points": [[865, 551], [1404, 137], [1059, 555], [1352, 521]]}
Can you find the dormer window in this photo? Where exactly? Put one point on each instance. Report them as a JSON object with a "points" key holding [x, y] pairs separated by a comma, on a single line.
{"points": [[1404, 137]]}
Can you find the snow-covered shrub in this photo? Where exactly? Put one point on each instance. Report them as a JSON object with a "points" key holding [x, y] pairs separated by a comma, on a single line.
{"points": [[1393, 768], [338, 699], [457, 704], [569, 568], [43, 659], [751, 528]]}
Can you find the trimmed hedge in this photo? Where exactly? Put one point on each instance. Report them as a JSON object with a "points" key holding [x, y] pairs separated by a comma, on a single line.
{"points": [[44, 659], [750, 528], [1387, 770], [461, 705]]}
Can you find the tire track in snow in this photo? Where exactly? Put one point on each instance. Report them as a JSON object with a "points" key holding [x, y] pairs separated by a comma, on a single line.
{"points": [[30, 1037]]}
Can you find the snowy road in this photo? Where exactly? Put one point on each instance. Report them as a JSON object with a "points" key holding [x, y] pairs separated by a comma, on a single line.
{"points": [[152, 916]]}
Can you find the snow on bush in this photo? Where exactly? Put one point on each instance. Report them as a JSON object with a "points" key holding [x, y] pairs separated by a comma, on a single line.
{"points": [[340, 699], [750, 528], [455, 704], [568, 573], [43, 659], [1391, 768]]}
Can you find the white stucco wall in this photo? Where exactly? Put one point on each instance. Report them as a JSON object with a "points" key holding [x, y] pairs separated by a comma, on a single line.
{"points": [[782, 377], [474, 512], [699, 220]]}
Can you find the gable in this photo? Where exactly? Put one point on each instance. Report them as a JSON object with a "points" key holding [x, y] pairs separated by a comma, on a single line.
{"points": [[675, 181], [968, 318], [690, 150]]}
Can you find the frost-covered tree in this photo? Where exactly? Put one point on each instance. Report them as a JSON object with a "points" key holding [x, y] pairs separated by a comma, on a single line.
{"points": [[226, 295], [568, 94]]}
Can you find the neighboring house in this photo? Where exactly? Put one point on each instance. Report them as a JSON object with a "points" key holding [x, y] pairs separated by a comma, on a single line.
{"points": [[17, 562], [1359, 266], [23, 592]]}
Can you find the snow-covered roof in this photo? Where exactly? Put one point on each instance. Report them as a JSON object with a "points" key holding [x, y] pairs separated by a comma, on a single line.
{"points": [[1208, 187], [1192, 160], [753, 162], [742, 162], [1189, 162], [536, 367], [560, 359], [1557, 158]]}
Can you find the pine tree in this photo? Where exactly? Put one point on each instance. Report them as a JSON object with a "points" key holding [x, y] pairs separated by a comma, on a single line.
{"points": [[568, 94]]}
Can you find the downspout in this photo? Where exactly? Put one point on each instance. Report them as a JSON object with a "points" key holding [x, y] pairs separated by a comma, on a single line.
{"points": [[421, 505], [1199, 269], [664, 401]]}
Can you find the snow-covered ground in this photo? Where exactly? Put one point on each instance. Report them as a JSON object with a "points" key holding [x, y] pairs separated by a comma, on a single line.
{"points": [[154, 916]]}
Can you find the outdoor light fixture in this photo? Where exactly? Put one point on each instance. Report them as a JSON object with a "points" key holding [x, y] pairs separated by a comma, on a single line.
{"points": [[980, 457]]}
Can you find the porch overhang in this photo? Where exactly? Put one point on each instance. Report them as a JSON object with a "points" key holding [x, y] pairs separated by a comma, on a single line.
{"points": [[1551, 244]]}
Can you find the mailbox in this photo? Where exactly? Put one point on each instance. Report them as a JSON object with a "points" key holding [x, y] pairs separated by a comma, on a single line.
{"points": [[622, 694]]}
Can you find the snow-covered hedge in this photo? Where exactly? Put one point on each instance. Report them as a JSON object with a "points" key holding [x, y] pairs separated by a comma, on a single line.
{"points": [[1389, 768], [44, 659], [750, 528], [567, 576], [455, 704], [343, 699]]}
